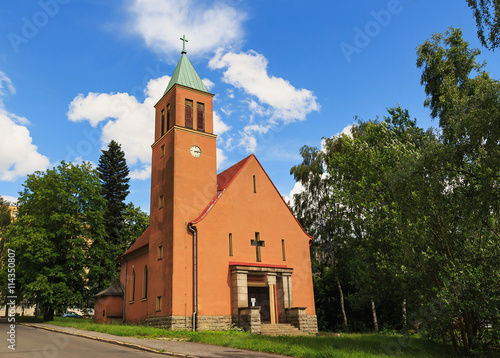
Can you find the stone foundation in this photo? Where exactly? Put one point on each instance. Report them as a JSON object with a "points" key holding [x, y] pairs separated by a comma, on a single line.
{"points": [[174, 323], [213, 323], [185, 323], [297, 317], [249, 319]]}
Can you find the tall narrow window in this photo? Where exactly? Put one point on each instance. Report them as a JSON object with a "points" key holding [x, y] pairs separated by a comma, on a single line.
{"points": [[254, 185], [158, 303], [168, 117], [189, 113], [230, 244], [132, 286], [283, 253], [160, 201], [162, 122], [160, 252], [162, 150], [145, 283], [200, 115]]}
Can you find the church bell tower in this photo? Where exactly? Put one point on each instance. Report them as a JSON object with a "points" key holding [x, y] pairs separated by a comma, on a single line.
{"points": [[183, 181]]}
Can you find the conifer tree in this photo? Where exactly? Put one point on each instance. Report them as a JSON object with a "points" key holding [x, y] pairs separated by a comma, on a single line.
{"points": [[113, 174]]}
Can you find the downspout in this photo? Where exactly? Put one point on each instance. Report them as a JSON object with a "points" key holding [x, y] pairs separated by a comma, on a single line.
{"points": [[124, 292], [193, 229]]}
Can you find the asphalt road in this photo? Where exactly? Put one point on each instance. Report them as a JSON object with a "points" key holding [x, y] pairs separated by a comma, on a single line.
{"points": [[38, 343]]}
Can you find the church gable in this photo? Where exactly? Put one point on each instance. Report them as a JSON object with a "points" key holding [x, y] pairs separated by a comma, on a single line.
{"points": [[250, 209]]}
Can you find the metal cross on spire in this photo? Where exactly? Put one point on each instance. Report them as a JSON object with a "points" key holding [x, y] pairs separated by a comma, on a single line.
{"points": [[184, 40]]}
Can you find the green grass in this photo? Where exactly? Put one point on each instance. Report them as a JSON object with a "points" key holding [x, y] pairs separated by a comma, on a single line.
{"points": [[345, 346]]}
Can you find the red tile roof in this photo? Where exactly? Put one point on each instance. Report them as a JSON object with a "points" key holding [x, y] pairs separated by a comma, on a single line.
{"points": [[141, 242], [226, 177]]}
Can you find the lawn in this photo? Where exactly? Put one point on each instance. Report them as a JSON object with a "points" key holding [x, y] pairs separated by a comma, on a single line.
{"points": [[345, 346]]}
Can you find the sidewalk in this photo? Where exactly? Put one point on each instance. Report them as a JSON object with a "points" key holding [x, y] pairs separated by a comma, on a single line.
{"points": [[168, 347]]}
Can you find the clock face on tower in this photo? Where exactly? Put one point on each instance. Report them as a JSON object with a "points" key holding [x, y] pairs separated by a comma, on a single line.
{"points": [[195, 151]]}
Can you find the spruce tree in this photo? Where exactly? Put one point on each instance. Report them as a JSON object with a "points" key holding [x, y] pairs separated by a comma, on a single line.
{"points": [[113, 174]]}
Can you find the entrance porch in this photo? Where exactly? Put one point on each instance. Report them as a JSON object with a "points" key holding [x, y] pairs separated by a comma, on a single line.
{"points": [[263, 295]]}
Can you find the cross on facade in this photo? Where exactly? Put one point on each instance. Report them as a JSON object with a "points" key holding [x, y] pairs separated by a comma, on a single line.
{"points": [[258, 243], [184, 40]]}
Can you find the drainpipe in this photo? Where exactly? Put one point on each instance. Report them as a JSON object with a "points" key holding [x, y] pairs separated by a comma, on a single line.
{"points": [[124, 292], [193, 229]]}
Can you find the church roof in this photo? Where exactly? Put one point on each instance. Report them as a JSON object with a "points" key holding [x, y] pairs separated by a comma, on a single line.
{"points": [[141, 242], [114, 290], [185, 75], [226, 177]]}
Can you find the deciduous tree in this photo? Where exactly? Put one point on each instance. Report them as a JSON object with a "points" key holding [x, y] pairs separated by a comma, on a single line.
{"points": [[487, 15], [60, 214]]}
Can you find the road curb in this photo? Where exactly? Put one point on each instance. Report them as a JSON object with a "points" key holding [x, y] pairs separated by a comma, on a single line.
{"points": [[120, 343]]}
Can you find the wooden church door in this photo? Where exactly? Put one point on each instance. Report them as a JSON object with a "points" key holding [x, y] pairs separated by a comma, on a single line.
{"points": [[259, 296]]}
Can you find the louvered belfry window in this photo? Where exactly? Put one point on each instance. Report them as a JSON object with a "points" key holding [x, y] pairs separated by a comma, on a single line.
{"points": [[200, 114], [189, 113]]}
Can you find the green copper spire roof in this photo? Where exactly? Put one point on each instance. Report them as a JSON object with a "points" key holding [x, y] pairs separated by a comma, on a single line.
{"points": [[185, 74]]}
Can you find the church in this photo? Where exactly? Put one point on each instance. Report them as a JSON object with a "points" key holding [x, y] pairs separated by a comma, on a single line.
{"points": [[221, 249]]}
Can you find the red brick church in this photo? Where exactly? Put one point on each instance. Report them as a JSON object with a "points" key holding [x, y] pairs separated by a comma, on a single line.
{"points": [[220, 249]]}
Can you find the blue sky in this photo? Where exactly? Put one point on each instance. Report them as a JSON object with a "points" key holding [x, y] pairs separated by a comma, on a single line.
{"points": [[75, 74]]}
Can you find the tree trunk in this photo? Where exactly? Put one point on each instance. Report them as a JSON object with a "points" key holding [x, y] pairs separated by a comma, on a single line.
{"points": [[48, 314], [342, 301], [405, 315], [375, 322]]}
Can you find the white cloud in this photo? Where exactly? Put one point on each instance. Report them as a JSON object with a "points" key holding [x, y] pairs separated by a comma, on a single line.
{"points": [[297, 188], [221, 159], [207, 25], [347, 130], [248, 71], [208, 84], [18, 155], [249, 135], [248, 141], [219, 126], [129, 122], [141, 173], [10, 199], [6, 82]]}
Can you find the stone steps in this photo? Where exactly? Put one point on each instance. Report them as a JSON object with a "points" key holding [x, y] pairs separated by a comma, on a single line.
{"points": [[280, 329]]}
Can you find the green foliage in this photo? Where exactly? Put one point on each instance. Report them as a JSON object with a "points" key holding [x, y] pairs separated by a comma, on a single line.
{"points": [[113, 174], [136, 221], [5, 220], [60, 213], [412, 215], [487, 15]]}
